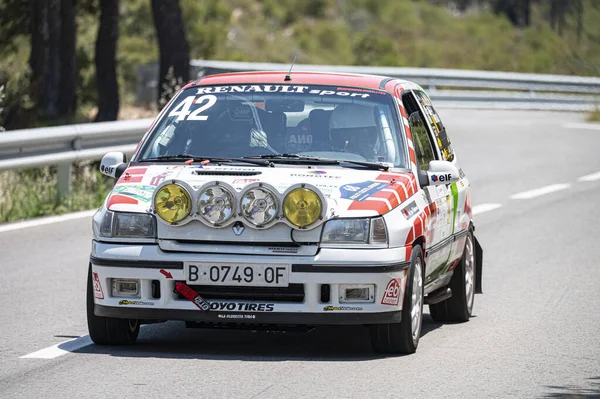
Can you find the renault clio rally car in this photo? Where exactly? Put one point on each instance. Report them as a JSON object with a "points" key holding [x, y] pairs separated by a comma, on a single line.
{"points": [[274, 201]]}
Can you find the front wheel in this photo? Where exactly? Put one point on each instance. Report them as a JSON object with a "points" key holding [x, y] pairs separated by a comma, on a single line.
{"points": [[459, 307], [108, 330], [404, 337]]}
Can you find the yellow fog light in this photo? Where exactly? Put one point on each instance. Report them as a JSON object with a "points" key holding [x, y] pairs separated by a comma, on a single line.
{"points": [[172, 203], [302, 207]]}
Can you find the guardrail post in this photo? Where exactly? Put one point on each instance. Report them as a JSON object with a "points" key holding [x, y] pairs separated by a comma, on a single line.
{"points": [[63, 186]]}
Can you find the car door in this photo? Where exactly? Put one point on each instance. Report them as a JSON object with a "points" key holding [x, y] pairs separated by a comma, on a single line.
{"points": [[459, 191], [438, 237]]}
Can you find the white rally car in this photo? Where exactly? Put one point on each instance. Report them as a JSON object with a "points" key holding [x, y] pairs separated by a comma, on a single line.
{"points": [[273, 201]]}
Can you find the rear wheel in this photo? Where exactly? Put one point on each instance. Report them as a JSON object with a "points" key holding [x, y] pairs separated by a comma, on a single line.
{"points": [[459, 307], [404, 337], [108, 330]]}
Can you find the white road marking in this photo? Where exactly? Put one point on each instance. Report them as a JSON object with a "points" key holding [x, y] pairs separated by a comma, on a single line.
{"points": [[481, 208], [57, 350], [587, 126], [590, 177], [46, 220], [540, 191]]}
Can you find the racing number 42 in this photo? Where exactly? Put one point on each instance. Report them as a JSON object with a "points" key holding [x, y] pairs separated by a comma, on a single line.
{"points": [[182, 110]]}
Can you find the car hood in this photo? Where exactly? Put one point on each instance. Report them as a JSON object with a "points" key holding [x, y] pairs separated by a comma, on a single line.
{"points": [[349, 192]]}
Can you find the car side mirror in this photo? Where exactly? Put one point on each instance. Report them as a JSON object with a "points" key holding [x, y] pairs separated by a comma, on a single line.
{"points": [[442, 172], [113, 164]]}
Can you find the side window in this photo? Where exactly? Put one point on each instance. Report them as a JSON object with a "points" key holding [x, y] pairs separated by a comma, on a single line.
{"points": [[437, 127], [421, 140]]}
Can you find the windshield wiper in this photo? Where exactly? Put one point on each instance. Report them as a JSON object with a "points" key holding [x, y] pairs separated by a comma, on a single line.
{"points": [[196, 158], [294, 158], [370, 165]]}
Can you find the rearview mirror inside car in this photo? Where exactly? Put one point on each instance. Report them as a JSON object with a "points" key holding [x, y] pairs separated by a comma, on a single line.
{"points": [[113, 164], [284, 105], [442, 172]]}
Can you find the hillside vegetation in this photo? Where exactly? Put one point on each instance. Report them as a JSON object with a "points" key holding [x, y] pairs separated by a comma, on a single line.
{"points": [[435, 34]]}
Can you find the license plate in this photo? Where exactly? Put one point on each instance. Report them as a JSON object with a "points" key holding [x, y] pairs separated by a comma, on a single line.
{"points": [[237, 275]]}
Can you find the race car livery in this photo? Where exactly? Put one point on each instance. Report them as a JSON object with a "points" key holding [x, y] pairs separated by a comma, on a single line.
{"points": [[258, 202]]}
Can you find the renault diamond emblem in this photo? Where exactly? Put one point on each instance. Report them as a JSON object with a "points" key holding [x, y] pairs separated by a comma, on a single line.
{"points": [[238, 228]]}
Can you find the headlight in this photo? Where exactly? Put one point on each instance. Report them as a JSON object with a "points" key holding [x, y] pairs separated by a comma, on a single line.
{"points": [[350, 232], [127, 225], [172, 203], [302, 207], [259, 206], [216, 205]]}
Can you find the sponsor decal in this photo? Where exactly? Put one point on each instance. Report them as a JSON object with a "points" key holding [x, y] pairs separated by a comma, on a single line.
{"points": [[271, 89], [314, 175], [391, 295], [410, 210], [236, 316], [318, 172], [284, 250], [445, 177], [137, 191], [243, 306], [128, 302], [98, 293], [361, 191], [238, 228], [156, 180], [341, 308], [244, 181]]}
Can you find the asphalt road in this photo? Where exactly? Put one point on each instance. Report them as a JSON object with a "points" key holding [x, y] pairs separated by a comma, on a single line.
{"points": [[536, 330]]}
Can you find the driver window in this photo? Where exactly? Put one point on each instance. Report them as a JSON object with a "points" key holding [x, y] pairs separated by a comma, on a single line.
{"points": [[423, 145]]}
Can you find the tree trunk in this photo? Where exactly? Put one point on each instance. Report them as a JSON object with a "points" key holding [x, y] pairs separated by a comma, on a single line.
{"points": [[526, 15], [106, 68], [173, 46], [579, 21], [37, 56], [553, 14], [52, 58], [67, 100], [52, 75]]}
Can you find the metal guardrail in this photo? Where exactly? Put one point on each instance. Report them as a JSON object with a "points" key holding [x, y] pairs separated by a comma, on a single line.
{"points": [[429, 78], [62, 145]]}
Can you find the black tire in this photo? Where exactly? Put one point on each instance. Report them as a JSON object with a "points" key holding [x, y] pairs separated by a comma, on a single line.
{"points": [[399, 337], [108, 330], [459, 307]]}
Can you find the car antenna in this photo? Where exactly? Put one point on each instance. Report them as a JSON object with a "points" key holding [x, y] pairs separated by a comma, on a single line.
{"points": [[288, 77]]}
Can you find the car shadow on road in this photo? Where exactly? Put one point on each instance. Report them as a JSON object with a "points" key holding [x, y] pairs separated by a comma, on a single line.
{"points": [[591, 390], [172, 340]]}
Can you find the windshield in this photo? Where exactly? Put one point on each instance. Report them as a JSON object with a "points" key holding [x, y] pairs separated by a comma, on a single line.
{"points": [[251, 120]]}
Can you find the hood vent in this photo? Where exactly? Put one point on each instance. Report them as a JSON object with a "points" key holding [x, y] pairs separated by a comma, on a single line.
{"points": [[226, 172]]}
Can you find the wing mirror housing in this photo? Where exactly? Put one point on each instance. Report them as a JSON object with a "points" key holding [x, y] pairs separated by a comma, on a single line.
{"points": [[439, 172], [113, 164]]}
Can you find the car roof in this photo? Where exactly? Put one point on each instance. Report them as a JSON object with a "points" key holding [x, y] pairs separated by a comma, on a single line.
{"points": [[304, 78]]}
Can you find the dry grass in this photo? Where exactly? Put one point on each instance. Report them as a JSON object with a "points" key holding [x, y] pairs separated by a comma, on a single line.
{"points": [[32, 193]]}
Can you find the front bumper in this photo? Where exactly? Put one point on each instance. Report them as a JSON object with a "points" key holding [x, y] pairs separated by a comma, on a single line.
{"points": [[332, 267], [279, 318]]}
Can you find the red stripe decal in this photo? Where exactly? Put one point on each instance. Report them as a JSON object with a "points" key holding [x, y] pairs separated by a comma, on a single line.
{"points": [[127, 178], [408, 251], [116, 199], [388, 196], [411, 152], [377, 206]]}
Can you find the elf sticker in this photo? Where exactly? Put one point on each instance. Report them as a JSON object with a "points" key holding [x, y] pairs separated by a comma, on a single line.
{"points": [[98, 294], [391, 295]]}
